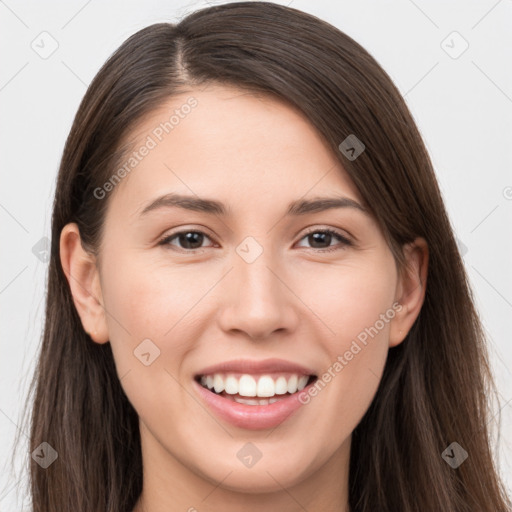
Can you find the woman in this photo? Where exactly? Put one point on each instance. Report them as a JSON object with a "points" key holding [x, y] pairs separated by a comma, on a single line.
{"points": [[258, 369]]}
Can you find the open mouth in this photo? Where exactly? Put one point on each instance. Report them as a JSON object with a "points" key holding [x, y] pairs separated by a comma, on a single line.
{"points": [[255, 390]]}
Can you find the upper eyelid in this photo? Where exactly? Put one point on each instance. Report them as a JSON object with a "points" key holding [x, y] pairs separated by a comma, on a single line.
{"points": [[337, 231]]}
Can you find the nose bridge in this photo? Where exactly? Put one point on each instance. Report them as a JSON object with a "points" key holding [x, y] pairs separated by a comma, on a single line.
{"points": [[257, 302], [257, 281]]}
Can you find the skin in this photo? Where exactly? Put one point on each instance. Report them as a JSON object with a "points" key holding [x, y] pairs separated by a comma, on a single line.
{"points": [[295, 301]]}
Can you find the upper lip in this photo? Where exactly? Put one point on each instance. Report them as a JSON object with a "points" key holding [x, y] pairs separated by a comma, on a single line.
{"points": [[256, 367]]}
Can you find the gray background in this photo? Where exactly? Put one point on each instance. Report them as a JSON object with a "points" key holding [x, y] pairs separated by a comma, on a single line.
{"points": [[462, 103]]}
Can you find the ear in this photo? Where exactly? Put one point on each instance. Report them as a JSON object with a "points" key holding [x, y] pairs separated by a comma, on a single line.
{"points": [[83, 277], [410, 290]]}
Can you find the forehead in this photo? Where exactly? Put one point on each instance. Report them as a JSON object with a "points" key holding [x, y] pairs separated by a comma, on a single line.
{"points": [[231, 144]]}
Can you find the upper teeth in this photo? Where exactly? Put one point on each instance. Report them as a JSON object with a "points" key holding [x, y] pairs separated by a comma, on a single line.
{"points": [[247, 385]]}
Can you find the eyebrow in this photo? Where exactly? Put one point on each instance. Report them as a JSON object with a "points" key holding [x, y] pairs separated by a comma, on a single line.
{"points": [[211, 206]]}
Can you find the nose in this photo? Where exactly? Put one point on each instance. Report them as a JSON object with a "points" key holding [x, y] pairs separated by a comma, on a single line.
{"points": [[257, 299]]}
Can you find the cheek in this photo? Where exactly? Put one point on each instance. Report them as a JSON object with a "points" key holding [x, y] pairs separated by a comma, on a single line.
{"points": [[349, 297], [147, 310], [362, 329], [348, 383], [148, 299], [355, 303]]}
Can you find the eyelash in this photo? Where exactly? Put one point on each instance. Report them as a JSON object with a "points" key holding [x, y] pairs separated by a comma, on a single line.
{"points": [[344, 241]]}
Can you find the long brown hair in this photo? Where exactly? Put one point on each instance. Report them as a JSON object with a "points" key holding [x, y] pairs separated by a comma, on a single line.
{"points": [[436, 385]]}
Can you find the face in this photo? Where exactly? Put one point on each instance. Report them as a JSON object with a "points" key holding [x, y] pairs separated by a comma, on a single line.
{"points": [[186, 289]]}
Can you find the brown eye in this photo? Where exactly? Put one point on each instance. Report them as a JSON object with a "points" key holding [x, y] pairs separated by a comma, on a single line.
{"points": [[187, 240], [321, 239]]}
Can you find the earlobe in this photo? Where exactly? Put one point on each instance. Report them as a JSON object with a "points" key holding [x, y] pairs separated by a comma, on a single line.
{"points": [[411, 288], [82, 274]]}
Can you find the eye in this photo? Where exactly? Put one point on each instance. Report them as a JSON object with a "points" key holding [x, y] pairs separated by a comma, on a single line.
{"points": [[325, 236], [191, 240]]}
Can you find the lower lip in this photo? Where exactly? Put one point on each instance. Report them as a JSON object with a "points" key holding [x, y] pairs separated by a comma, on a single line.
{"points": [[254, 417]]}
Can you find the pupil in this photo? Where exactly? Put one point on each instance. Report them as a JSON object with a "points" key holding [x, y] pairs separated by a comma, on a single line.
{"points": [[317, 237], [190, 238]]}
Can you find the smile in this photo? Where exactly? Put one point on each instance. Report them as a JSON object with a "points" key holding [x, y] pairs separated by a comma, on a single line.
{"points": [[265, 388], [253, 401]]}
